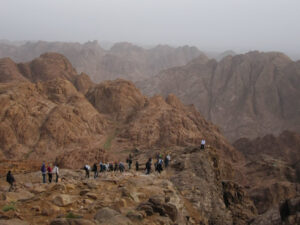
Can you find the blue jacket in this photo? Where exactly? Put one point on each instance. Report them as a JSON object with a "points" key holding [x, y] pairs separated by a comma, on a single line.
{"points": [[43, 168]]}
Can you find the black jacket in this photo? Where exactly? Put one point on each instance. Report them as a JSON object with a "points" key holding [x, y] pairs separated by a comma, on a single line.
{"points": [[10, 178]]}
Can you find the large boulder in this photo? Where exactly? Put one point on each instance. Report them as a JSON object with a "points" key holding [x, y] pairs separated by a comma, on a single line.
{"points": [[63, 200], [112, 217]]}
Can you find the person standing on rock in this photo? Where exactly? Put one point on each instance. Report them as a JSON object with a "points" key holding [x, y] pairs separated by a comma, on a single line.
{"points": [[202, 144], [49, 170], [11, 180], [137, 165], [56, 172], [44, 171], [95, 170], [148, 166]]}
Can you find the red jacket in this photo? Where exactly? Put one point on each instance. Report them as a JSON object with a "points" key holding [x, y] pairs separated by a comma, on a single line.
{"points": [[49, 169]]}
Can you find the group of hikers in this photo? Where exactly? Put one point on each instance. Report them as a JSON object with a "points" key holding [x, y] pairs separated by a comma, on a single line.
{"points": [[50, 171], [159, 165]]}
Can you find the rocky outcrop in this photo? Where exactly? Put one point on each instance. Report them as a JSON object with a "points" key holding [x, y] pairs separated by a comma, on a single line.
{"points": [[271, 168], [118, 98], [47, 119], [48, 66], [247, 95], [9, 71], [83, 83]]}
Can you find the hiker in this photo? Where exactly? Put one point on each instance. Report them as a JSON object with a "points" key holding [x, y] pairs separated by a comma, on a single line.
{"points": [[121, 167], [101, 167], [159, 165], [148, 166], [56, 172], [111, 166], [129, 161], [137, 166], [116, 167], [167, 160], [95, 170], [106, 167], [202, 144], [49, 170], [44, 171], [11, 180], [87, 171]]}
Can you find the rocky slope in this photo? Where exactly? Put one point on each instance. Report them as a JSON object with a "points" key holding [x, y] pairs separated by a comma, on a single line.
{"points": [[246, 95], [123, 60], [173, 197], [272, 166]]}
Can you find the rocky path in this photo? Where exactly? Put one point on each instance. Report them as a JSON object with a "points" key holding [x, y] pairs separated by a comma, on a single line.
{"points": [[128, 198]]}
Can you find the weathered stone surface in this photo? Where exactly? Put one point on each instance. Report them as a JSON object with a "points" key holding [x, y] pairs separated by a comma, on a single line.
{"points": [[63, 200], [17, 196], [110, 216]]}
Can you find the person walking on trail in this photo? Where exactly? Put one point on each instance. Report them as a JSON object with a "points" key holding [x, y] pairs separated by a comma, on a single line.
{"points": [[11, 180], [111, 166], [101, 167], [137, 165], [129, 161], [148, 166], [167, 160], [116, 166], [202, 144], [95, 170], [49, 170], [56, 172], [121, 167], [87, 171], [44, 171], [159, 165]]}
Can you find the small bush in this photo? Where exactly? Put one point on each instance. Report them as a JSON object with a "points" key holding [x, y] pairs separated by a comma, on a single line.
{"points": [[11, 206], [71, 215]]}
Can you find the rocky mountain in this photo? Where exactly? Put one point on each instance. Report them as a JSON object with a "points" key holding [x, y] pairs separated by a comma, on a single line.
{"points": [[50, 112], [246, 95], [122, 60], [46, 115]]}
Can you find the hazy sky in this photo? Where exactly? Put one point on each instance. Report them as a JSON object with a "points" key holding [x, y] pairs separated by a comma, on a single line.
{"points": [[208, 24]]}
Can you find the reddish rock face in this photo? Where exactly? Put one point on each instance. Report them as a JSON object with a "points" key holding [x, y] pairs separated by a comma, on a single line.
{"points": [[247, 95]]}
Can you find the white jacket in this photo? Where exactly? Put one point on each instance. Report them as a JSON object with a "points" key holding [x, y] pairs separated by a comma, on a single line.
{"points": [[55, 170]]}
